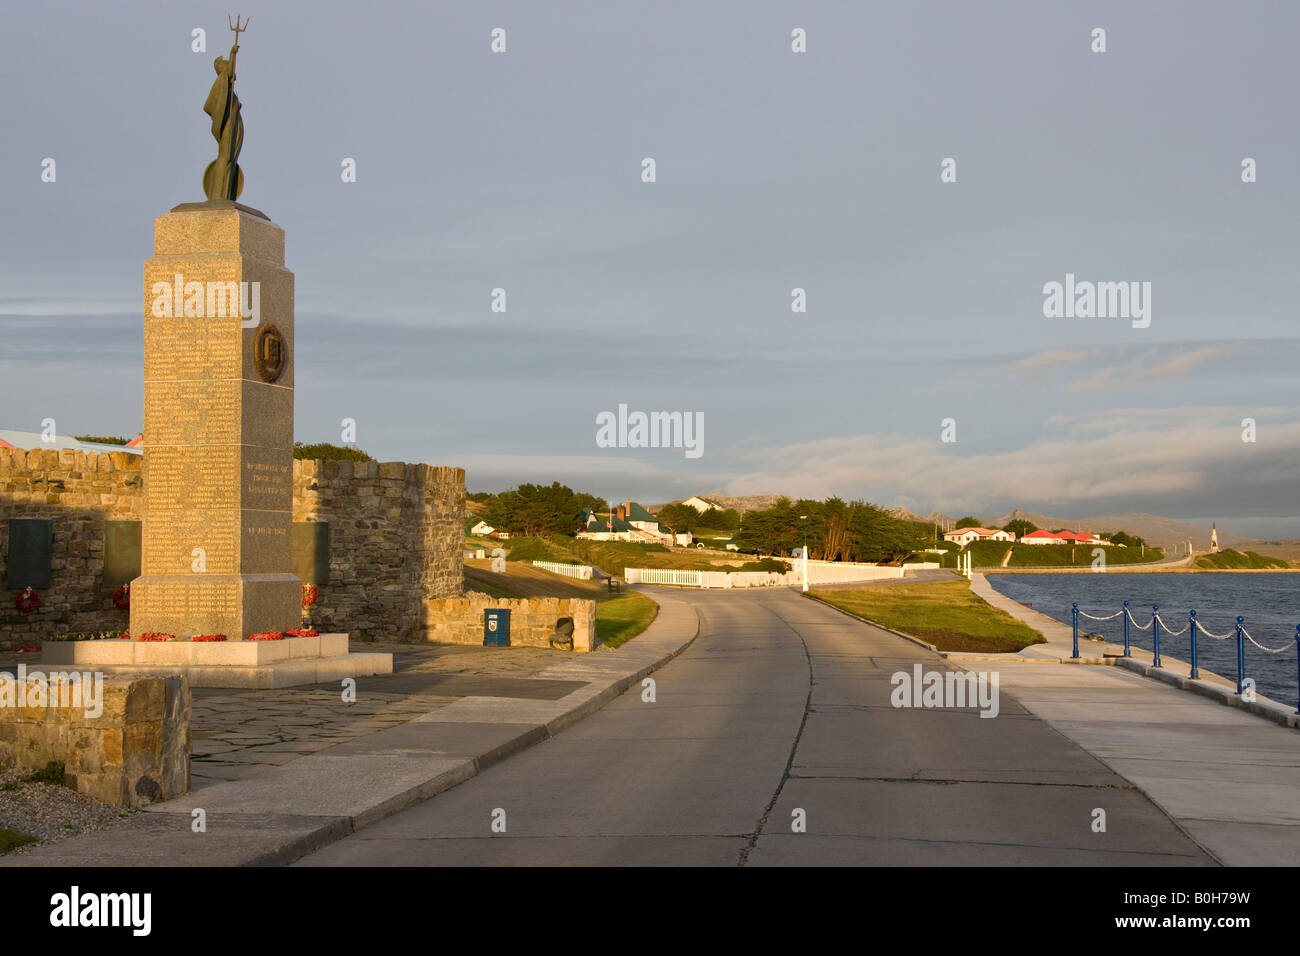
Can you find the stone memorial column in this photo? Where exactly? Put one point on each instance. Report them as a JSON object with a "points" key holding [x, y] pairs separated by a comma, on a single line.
{"points": [[216, 554]]}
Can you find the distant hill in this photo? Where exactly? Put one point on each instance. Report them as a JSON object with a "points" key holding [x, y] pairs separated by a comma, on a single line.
{"points": [[945, 522], [742, 504]]}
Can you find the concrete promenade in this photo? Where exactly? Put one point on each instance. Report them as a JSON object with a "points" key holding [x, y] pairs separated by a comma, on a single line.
{"points": [[1228, 777]]}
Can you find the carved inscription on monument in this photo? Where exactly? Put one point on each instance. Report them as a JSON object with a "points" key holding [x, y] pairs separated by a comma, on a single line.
{"points": [[191, 348], [186, 599], [186, 413]]}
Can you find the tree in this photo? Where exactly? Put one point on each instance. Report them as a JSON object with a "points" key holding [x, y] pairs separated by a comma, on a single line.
{"points": [[538, 510], [1020, 527], [967, 522]]}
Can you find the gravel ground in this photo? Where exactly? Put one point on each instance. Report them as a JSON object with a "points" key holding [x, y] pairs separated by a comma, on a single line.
{"points": [[50, 812]]}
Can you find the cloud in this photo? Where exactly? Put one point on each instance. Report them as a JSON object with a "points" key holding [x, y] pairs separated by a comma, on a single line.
{"points": [[1149, 366], [1136, 459]]}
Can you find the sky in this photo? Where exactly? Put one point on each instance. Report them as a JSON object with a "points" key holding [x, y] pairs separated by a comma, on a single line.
{"points": [[774, 171]]}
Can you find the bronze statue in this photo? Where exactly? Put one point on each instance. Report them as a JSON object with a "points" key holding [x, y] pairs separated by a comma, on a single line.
{"points": [[223, 179]]}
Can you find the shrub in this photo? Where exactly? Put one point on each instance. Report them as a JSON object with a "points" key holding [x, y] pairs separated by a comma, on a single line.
{"points": [[328, 451]]}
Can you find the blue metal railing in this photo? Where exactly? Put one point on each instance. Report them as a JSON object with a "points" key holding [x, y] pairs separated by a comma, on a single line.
{"points": [[1193, 629]]}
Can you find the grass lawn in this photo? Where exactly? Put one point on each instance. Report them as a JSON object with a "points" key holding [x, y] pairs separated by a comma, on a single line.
{"points": [[12, 838], [944, 613], [1230, 559], [623, 617]]}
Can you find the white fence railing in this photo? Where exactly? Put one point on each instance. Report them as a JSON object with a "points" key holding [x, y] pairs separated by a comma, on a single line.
{"points": [[819, 572], [580, 571]]}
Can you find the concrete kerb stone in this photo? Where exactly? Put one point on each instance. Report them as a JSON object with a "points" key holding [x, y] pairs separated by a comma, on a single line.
{"points": [[653, 653], [1264, 707]]}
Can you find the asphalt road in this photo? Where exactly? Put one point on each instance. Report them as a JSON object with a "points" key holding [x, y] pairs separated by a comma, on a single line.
{"points": [[781, 710]]}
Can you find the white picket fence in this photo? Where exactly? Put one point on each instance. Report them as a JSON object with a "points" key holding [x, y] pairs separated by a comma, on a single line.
{"points": [[580, 571]]}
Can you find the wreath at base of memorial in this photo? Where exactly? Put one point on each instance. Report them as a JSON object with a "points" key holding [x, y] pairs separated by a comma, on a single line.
{"points": [[308, 595], [28, 601], [122, 597]]}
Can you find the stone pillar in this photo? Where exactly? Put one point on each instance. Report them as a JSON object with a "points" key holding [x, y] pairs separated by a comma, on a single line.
{"points": [[216, 553]]}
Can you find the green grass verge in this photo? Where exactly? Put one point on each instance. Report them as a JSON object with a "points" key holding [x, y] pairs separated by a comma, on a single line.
{"points": [[946, 614], [9, 839], [1230, 560], [623, 617]]}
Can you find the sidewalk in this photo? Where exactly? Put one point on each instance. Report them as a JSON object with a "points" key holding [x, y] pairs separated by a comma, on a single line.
{"points": [[282, 812], [1223, 774]]}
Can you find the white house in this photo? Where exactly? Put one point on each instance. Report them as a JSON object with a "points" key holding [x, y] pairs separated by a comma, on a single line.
{"points": [[482, 528], [965, 536]]}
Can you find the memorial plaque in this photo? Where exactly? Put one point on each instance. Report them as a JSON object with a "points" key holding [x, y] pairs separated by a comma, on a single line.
{"points": [[31, 549], [121, 552], [311, 551]]}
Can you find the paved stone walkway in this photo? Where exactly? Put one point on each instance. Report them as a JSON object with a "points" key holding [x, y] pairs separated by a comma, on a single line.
{"points": [[236, 734]]}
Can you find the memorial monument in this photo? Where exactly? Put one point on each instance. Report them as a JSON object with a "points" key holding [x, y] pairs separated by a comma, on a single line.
{"points": [[216, 547]]}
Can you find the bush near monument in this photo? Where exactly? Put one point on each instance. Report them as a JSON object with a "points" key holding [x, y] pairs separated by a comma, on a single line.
{"points": [[324, 451]]}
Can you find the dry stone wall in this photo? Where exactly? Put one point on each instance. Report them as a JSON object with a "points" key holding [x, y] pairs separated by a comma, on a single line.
{"points": [[395, 531]]}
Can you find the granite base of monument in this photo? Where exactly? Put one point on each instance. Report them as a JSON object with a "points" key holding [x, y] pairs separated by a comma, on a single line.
{"points": [[292, 662]]}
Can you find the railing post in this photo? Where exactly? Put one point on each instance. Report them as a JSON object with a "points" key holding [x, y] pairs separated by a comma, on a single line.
{"points": [[1297, 666], [1241, 652], [1126, 617], [1191, 629], [1075, 614], [1155, 632]]}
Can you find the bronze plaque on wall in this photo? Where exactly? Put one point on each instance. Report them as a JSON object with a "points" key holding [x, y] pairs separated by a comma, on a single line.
{"points": [[31, 548], [311, 551], [121, 552]]}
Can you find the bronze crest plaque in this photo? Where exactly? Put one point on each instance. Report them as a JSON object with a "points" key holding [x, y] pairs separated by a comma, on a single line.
{"points": [[270, 354]]}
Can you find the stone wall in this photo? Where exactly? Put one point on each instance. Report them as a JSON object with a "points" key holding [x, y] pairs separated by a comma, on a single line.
{"points": [[396, 532], [133, 752], [79, 491], [532, 620]]}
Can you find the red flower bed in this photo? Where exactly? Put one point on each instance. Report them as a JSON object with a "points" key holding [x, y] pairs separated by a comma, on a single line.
{"points": [[209, 637], [301, 632], [266, 636], [154, 636]]}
